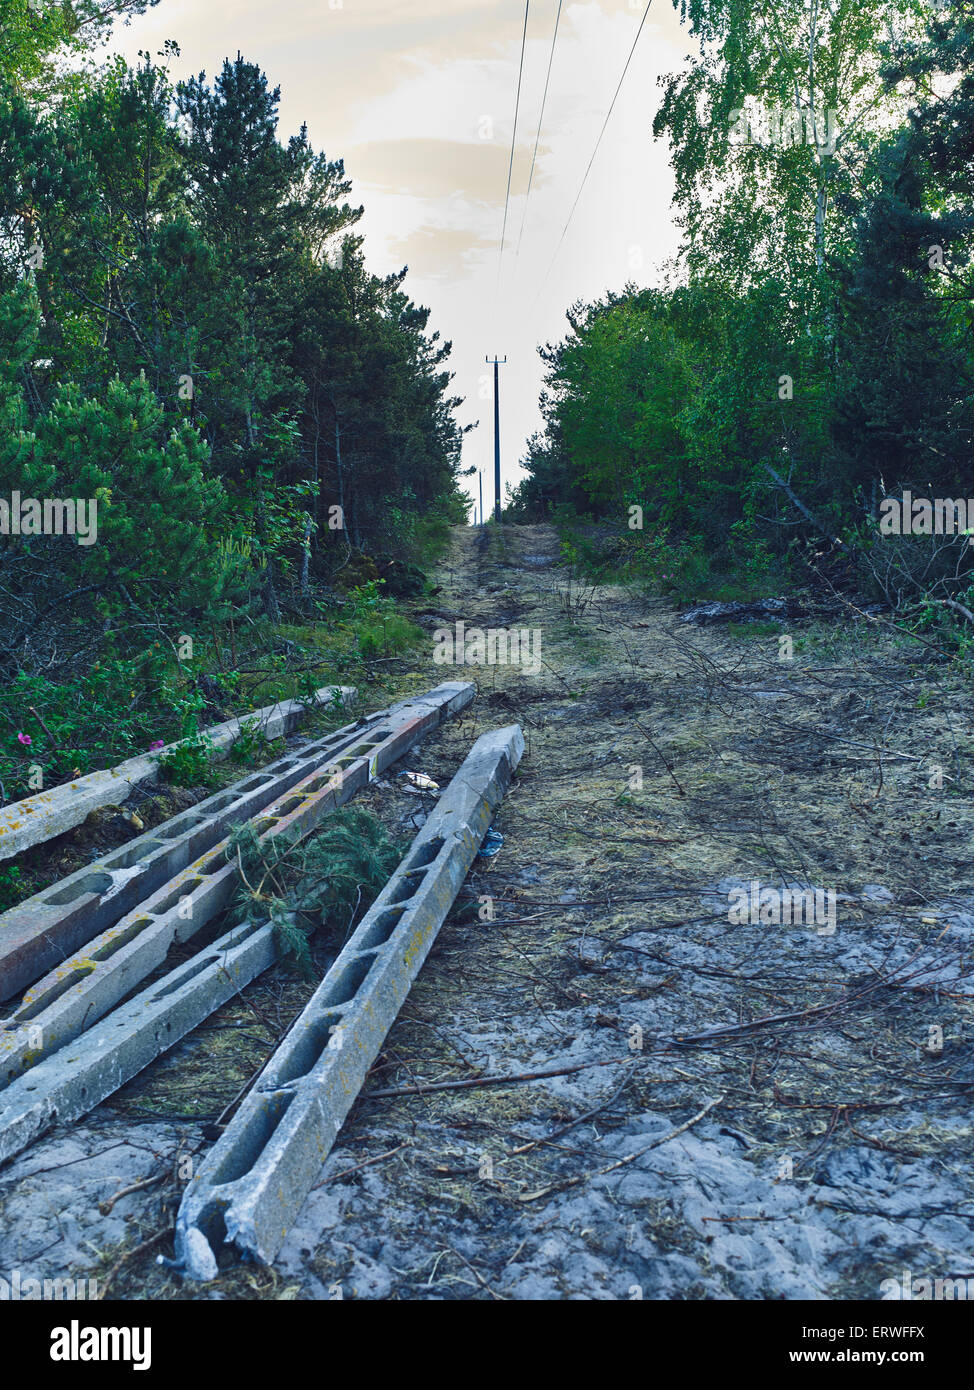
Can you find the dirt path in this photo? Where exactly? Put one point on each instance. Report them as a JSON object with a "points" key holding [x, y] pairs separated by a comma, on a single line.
{"points": [[747, 1109]]}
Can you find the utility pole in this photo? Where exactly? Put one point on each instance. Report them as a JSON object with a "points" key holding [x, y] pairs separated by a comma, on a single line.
{"points": [[497, 362], [480, 479]]}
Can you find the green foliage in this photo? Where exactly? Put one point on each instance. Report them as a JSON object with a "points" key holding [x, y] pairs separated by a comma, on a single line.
{"points": [[34, 36], [188, 763], [905, 369], [365, 601], [250, 744], [379, 630], [668, 402], [766, 128], [116, 710], [192, 342], [199, 276], [305, 884], [816, 343], [11, 887]]}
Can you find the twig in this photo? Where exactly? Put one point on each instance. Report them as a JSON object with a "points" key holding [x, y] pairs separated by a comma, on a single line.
{"points": [[131, 1255], [476, 1274], [106, 1207], [662, 757], [622, 1162], [45, 728], [572, 1124], [797, 502], [491, 1080], [379, 1158], [958, 607]]}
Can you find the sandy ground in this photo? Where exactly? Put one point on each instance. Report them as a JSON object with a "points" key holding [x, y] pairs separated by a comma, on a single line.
{"points": [[746, 1110]]}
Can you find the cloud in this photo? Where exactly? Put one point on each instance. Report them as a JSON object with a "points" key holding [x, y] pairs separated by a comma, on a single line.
{"points": [[430, 168], [440, 253], [401, 89]]}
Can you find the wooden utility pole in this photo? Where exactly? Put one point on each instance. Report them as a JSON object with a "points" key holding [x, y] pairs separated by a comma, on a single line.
{"points": [[497, 362]]}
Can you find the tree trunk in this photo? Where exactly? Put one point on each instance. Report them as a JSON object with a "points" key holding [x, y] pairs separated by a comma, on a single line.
{"points": [[306, 552], [272, 608]]}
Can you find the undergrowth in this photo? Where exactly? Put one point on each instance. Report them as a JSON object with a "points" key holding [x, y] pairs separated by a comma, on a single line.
{"points": [[304, 883], [52, 731]]}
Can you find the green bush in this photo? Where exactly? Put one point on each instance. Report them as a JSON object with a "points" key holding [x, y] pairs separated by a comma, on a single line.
{"points": [[249, 745], [11, 887], [188, 763], [304, 885]]}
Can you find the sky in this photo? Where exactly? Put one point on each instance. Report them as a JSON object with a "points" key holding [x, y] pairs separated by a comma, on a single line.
{"points": [[418, 98]]}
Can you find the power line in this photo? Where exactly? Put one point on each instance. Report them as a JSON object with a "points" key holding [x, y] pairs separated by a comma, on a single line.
{"points": [[537, 141], [517, 105], [598, 142]]}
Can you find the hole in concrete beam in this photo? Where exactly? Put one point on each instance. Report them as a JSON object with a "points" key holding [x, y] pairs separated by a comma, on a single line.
{"points": [[216, 862], [122, 938], [199, 966], [91, 883], [136, 854], [202, 963], [177, 895], [212, 1224], [377, 933], [316, 784], [403, 891], [425, 855], [348, 982], [305, 1054], [252, 1139], [58, 988], [173, 832]]}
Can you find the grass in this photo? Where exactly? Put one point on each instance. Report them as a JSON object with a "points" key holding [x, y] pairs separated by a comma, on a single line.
{"points": [[576, 634]]}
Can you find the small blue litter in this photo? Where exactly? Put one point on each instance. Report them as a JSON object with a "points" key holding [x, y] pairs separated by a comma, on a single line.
{"points": [[492, 843]]}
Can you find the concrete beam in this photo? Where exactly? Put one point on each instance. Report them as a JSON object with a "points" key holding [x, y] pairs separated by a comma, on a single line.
{"points": [[251, 1185], [71, 1082], [39, 818], [41, 932], [84, 987]]}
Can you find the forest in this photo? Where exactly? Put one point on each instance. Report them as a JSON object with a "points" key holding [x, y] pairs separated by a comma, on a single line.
{"points": [[810, 356], [195, 354]]}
